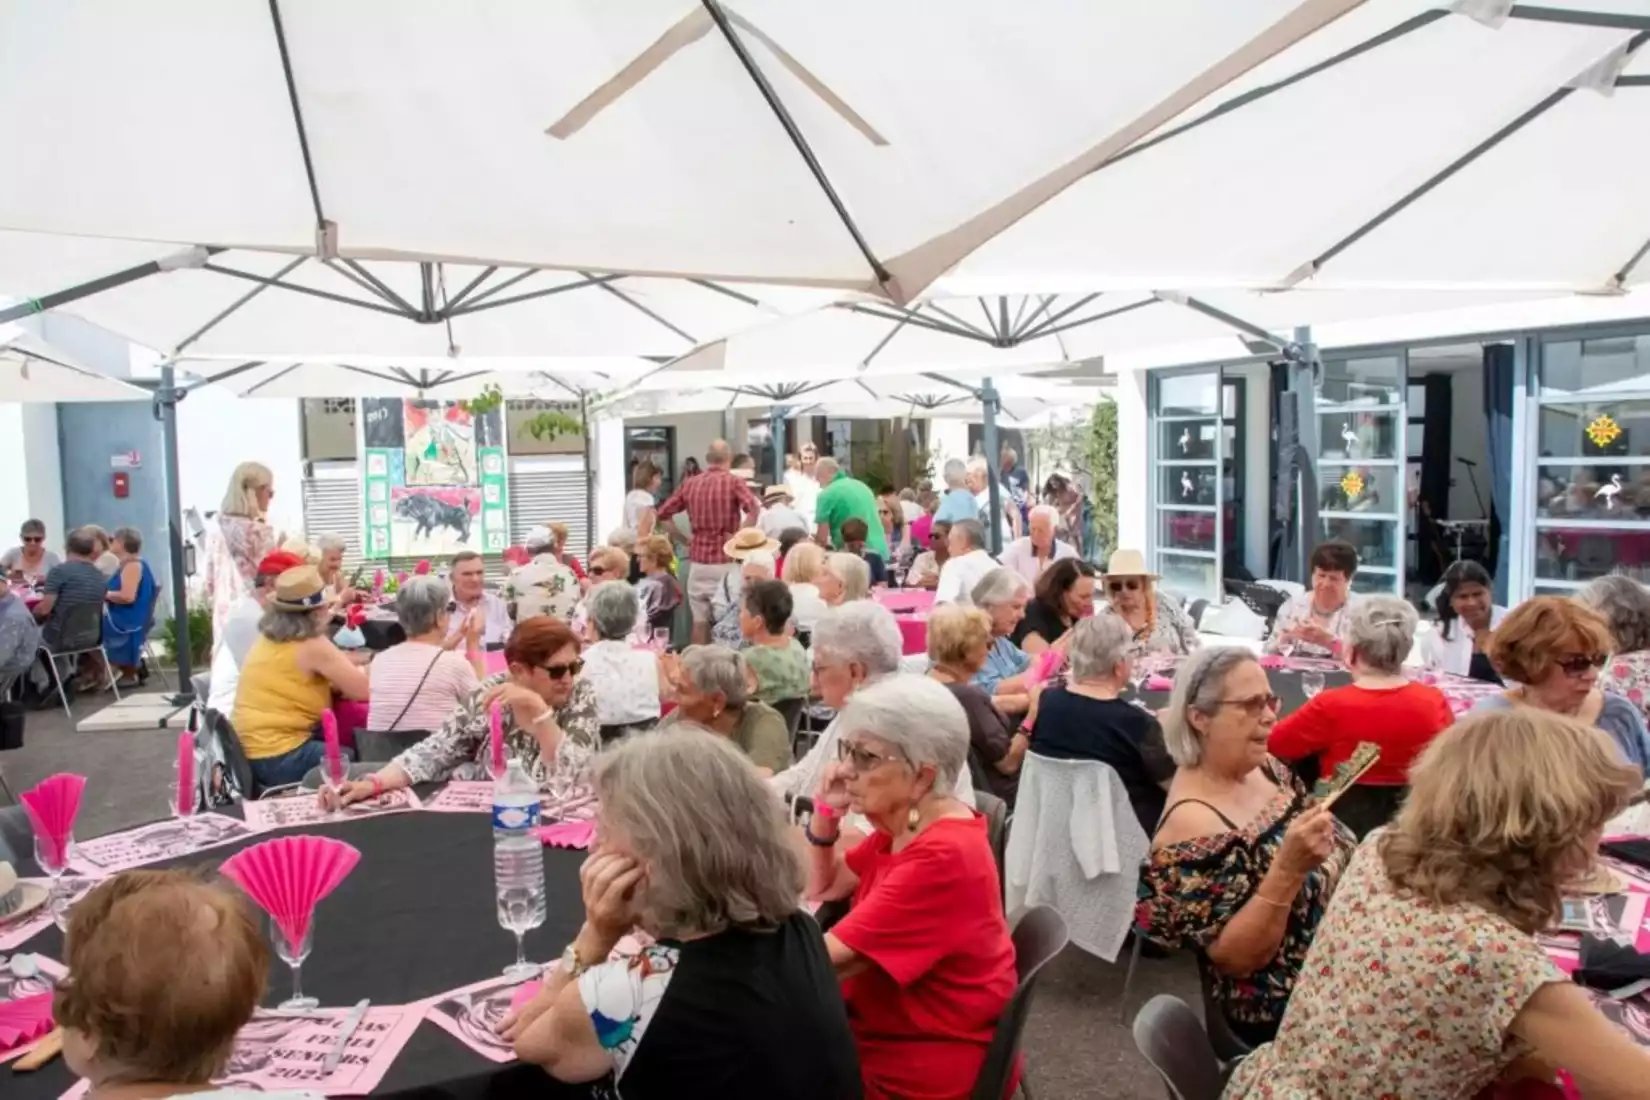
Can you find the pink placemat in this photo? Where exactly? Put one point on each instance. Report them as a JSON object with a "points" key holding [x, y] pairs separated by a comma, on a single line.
{"points": [[913, 633], [906, 599]]}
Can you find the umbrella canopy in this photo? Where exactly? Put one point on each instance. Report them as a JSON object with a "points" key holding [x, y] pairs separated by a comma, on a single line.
{"points": [[553, 380], [250, 304], [1408, 144], [856, 145], [33, 370]]}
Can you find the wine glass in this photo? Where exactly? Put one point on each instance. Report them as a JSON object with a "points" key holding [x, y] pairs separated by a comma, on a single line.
{"points": [[1311, 682], [53, 858], [521, 909], [293, 952]]}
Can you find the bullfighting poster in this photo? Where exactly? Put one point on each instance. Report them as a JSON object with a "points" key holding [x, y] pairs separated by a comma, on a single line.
{"points": [[434, 477]]}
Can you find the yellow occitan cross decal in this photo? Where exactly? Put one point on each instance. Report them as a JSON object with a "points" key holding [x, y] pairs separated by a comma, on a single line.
{"points": [[1603, 431], [1352, 484]]}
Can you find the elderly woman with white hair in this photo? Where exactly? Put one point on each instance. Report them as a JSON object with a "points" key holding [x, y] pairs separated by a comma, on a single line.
{"points": [[958, 502], [628, 680], [924, 952], [1381, 705], [417, 683], [1002, 594], [692, 853], [1243, 863], [1086, 718], [713, 691], [853, 645], [329, 562], [1625, 605], [845, 578]]}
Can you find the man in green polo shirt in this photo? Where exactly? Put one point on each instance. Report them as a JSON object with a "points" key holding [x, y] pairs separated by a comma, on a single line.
{"points": [[844, 498]]}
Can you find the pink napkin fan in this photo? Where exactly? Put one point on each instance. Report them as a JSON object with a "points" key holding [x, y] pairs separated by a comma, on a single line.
{"points": [[335, 774], [52, 807], [497, 762], [1046, 665], [24, 1020], [287, 876], [568, 834], [1272, 660]]}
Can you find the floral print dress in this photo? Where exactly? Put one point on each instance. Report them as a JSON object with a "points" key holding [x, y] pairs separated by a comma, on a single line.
{"points": [[1173, 631], [1189, 890], [1628, 675], [1398, 997], [458, 750], [234, 547]]}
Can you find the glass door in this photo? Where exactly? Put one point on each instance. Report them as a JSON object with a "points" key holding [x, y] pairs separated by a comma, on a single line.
{"points": [[1362, 455], [1592, 484], [1188, 446]]}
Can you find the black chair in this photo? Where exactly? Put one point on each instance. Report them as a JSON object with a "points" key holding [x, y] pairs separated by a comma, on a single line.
{"points": [[791, 711], [1263, 600], [1168, 1034], [996, 824], [78, 631], [1363, 808], [1040, 935], [1227, 1046], [16, 837], [382, 746], [234, 755]]}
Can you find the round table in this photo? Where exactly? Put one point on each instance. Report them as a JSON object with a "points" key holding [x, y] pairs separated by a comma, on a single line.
{"points": [[415, 918]]}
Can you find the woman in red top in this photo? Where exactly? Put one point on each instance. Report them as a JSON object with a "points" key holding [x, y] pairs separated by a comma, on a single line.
{"points": [[1380, 705], [924, 954]]}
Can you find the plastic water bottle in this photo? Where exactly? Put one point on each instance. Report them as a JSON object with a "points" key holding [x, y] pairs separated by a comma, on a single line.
{"points": [[518, 860]]}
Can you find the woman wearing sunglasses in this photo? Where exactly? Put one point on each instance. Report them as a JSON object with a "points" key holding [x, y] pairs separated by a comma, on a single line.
{"points": [[549, 716], [1243, 864], [29, 560], [1158, 623], [1551, 649], [924, 953]]}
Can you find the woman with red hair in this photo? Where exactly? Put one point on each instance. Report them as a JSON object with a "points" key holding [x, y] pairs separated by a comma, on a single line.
{"points": [[549, 720]]}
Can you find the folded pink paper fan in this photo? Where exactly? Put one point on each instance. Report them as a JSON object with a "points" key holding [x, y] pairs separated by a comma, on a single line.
{"points": [[52, 807], [1272, 660], [1158, 683], [1047, 665], [287, 876], [568, 834], [495, 741], [24, 1020]]}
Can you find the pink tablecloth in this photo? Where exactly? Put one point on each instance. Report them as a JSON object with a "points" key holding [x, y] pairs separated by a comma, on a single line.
{"points": [[910, 607]]}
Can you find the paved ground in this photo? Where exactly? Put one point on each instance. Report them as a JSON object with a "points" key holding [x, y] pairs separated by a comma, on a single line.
{"points": [[1075, 1045]]}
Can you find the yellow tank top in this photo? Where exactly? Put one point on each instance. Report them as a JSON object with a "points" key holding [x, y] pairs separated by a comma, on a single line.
{"points": [[276, 703]]}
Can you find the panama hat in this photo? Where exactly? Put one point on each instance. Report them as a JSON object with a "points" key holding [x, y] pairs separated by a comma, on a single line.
{"points": [[747, 541], [1128, 563], [299, 589], [17, 898], [776, 492]]}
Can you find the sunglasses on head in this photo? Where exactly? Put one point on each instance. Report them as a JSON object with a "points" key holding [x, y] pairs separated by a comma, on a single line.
{"points": [[1576, 666], [1131, 584], [557, 672]]}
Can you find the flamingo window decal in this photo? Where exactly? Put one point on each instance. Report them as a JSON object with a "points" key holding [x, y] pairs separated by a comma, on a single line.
{"points": [[1186, 486], [1350, 438], [1608, 491]]}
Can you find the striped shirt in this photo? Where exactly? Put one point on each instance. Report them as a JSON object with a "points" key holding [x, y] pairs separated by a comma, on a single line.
{"points": [[394, 676], [716, 503]]}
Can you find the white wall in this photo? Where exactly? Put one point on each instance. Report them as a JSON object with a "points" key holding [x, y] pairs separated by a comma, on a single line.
{"points": [[218, 430], [28, 443], [1133, 473], [608, 455], [947, 439]]}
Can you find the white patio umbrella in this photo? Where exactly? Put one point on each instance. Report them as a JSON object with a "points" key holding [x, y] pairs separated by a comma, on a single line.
{"points": [[1479, 144], [548, 379], [265, 305], [854, 145], [33, 370]]}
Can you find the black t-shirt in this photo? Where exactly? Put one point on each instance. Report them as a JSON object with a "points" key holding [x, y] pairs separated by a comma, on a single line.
{"points": [[879, 568], [1076, 727], [1040, 619], [749, 1014]]}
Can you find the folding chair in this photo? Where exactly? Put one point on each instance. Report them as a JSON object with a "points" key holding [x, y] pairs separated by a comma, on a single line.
{"points": [[1168, 1034], [1040, 935], [80, 632]]}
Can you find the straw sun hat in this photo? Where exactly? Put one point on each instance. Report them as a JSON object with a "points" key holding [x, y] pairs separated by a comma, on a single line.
{"points": [[299, 589], [747, 541], [17, 898], [1129, 563]]}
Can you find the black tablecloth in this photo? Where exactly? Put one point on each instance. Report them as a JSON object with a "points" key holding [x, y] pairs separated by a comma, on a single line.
{"points": [[416, 917]]}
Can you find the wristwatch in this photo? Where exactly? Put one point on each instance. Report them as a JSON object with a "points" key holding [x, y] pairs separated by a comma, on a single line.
{"points": [[570, 963]]}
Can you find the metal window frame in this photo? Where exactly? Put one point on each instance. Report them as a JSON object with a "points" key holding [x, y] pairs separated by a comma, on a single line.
{"points": [[1155, 462], [1399, 410]]}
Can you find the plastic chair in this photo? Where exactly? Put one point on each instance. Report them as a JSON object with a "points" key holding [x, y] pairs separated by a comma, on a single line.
{"points": [[1038, 937], [791, 711], [1167, 1033], [80, 633], [996, 824]]}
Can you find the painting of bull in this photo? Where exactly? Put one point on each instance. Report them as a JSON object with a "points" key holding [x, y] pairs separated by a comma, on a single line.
{"points": [[428, 512]]}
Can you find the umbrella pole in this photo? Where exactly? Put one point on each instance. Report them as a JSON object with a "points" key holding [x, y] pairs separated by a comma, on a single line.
{"points": [[776, 439], [994, 522], [167, 396]]}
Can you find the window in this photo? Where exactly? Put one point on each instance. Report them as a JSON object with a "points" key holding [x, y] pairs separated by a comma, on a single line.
{"points": [[1187, 440], [1363, 452], [1592, 485]]}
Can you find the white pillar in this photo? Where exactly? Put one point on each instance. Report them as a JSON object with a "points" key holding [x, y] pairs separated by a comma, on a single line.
{"points": [[1134, 472], [607, 451]]}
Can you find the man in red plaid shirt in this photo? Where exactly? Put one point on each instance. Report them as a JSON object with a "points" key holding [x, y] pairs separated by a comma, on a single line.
{"points": [[717, 504]]}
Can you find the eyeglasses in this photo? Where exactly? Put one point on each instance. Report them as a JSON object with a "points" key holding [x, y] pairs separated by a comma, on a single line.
{"points": [[1577, 666], [557, 672], [1254, 704], [34, 538], [1130, 585], [863, 760], [598, 570]]}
